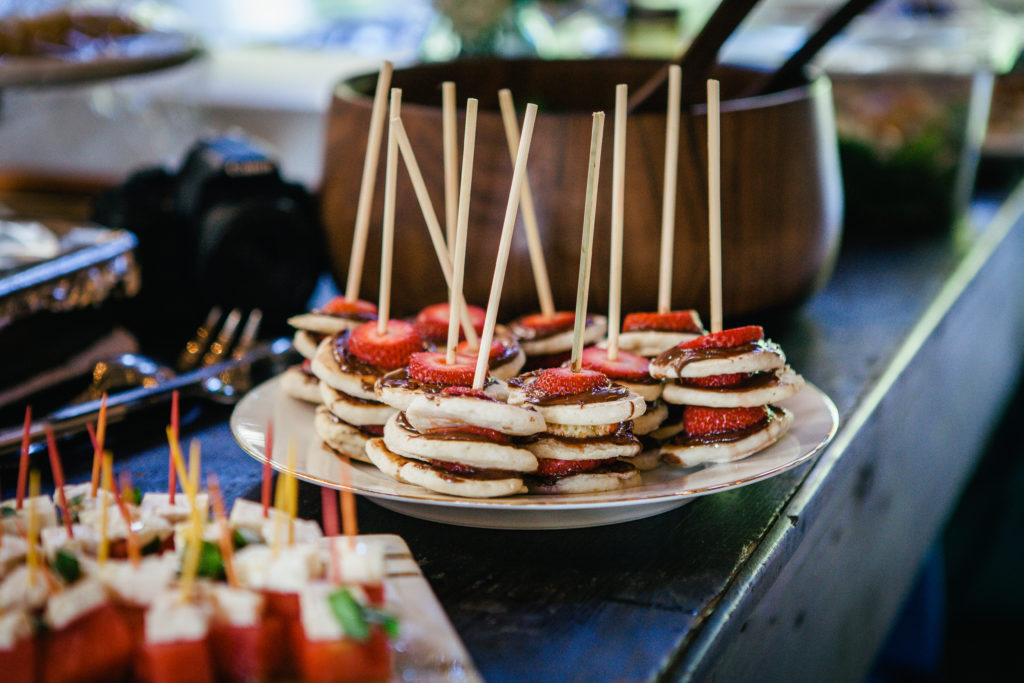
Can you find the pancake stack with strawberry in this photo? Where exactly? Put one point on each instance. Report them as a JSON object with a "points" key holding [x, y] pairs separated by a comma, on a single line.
{"points": [[633, 372], [455, 439], [546, 339], [507, 357], [649, 334], [336, 316], [588, 438], [348, 365], [727, 383], [432, 323]]}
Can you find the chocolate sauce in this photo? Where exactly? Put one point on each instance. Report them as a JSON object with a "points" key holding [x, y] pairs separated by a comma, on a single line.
{"points": [[367, 430], [454, 471], [679, 357], [622, 436], [400, 379], [350, 365], [454, 435]]}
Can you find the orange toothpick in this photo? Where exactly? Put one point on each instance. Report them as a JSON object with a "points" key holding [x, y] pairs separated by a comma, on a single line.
{"points": [[172, 485], [349, 525], [131, 540], [227, 548], [58, 480], [268, 474]]}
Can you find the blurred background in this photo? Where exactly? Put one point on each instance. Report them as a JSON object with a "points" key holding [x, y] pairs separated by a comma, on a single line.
{"points": [[114, 127]]}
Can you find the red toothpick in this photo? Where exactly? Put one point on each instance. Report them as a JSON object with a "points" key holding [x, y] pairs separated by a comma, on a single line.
{"points": [[175, 426], [348, 502], [97, 452], [330, 511], [267, 472], [23, 462], [58, 480]]}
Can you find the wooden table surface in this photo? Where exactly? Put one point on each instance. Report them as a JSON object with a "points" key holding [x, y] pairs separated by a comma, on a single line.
{"points": [[794, 578]]}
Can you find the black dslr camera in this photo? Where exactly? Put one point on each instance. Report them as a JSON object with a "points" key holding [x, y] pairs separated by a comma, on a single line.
{"points": [[225, 229]]}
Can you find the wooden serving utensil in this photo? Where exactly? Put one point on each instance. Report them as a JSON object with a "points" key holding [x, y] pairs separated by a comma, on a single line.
{"points": [[700, 56], [791, 70]]}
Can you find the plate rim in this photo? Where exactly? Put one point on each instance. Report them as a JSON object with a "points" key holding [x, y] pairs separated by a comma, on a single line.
{"points": [[547, 503]]}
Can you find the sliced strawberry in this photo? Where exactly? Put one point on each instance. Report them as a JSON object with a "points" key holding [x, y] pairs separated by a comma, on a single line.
{"points": [[729, 380], [628, 367], [565, 382], [670, 321], [736, 336], [559, 468], [454, 467], [466, 391], [432, 321], [388, 351], [371, 430], [469, 432], [538, 325], [700, 421], [430, 368], [357, 308]]}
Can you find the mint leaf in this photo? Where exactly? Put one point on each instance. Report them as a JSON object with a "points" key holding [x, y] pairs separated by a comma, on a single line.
{"points": [[67, 566], [349, 614], [8, 512], [75, 501], [244, 537], [386, 620], [211, 564]]}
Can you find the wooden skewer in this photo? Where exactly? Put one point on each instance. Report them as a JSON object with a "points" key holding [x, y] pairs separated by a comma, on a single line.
{"points": [[433, 226], [715, 205], [533, 243], [618, 202], [668, 200], [461, 227], [449, 125], [387, 243], [586, 251], [504, 245], [101, 435], [26, 441], [365, 203]]}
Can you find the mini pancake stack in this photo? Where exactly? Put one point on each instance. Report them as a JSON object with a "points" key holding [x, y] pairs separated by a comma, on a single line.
{"points": [[348, 366], [633, 372], [547, 339], [651, 334], [454, 439], [588, 439], [727, 382], [337, 315]]}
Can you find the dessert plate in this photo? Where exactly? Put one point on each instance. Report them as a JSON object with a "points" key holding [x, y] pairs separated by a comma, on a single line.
{"points": [[664, 488]]}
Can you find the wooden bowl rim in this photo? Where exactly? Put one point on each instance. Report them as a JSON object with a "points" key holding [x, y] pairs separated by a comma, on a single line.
{"points": [[816, 84]]}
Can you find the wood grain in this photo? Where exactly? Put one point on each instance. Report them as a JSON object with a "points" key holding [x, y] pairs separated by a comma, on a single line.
{"points": [[780, 182]]}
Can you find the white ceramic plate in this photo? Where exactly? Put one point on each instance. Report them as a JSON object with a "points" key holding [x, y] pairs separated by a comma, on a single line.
{"points": [[663, 489]]}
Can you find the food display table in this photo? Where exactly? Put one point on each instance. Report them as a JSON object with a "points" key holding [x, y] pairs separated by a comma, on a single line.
{"points": [[798, 577]]}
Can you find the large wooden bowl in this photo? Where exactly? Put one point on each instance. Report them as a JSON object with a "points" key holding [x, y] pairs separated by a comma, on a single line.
{"points": [[781, 190]]}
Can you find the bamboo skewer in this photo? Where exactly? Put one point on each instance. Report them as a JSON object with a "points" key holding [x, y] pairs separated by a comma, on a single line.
{"points": [[618, 201], [533, 243], [449, 125], [433, 226], [366, 187], [586, 251], [668, 205], [715, 205], [387, 243], [461, 228], [504, 245]]}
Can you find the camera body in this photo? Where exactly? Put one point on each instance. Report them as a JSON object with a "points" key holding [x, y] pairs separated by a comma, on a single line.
{"points": [[225, 229]]}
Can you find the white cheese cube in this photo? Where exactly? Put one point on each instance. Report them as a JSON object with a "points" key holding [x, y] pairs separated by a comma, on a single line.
{"points": [[73, 602]]}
